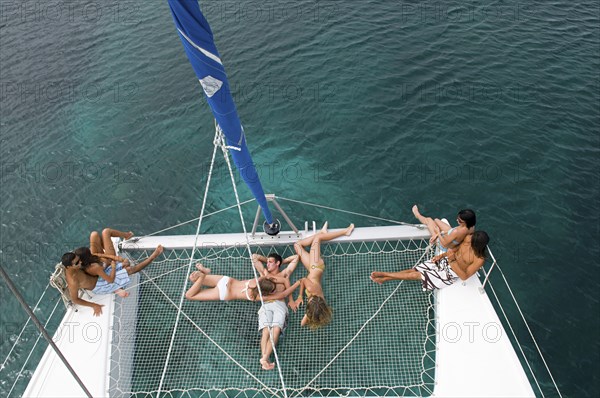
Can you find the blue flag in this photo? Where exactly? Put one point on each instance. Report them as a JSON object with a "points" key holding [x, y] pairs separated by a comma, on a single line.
{"points": [[200, 48]]}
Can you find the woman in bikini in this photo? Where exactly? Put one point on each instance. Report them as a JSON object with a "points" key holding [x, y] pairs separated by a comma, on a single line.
{"points": [[101, 260], [318, 313], [446, 268], [448, 237], [225, 288]]}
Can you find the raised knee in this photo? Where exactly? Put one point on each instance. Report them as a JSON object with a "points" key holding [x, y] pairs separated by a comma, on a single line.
{"points": [[106, 232], [94, 235]]}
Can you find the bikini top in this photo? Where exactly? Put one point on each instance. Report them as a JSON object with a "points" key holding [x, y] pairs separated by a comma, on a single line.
{"points": [[453, 240], [245, 290]]}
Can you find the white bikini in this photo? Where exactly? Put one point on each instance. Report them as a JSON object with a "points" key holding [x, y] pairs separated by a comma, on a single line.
{"points": [[223, 286], [245, 290]]}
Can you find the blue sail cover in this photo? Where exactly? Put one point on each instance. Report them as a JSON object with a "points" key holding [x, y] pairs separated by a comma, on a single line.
{"points": [[200, 48]]}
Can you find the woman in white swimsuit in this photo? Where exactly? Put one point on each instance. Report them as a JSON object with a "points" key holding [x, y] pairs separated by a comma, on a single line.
{"points": [[208, 287]]}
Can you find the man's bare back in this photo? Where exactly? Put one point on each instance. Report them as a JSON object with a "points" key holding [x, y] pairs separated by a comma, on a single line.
{"points": [[463, 259], [78, 279]]}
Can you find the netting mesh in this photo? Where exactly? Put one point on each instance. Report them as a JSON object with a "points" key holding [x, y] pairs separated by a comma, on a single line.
{"points": [[380, 342]]}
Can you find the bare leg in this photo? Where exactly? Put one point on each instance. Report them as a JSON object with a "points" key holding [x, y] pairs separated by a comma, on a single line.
{"points": [[324, 235], [209, 280], [138, 267], [197, 293], [304, 255], [315, 250], [315, 247], [441, 225], [96, 243], [427, 221], [408, 274], [267, 348], [107, 234]]}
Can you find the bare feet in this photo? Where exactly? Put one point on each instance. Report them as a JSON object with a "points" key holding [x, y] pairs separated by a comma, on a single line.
{"points": [[203, 269], [324, 229], [349, 230], [195, 275], [266, 365], [415, 211], [422, 219], [378, 277], [128, 235], [121, 293]]}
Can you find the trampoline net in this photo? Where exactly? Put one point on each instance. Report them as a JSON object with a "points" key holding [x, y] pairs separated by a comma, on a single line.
{"points": [[381, 341]]}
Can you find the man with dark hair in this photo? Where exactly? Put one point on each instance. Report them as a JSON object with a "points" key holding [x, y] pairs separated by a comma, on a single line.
{"points": [[100, 282], [446, 268], [273, 315], [77, 279]]}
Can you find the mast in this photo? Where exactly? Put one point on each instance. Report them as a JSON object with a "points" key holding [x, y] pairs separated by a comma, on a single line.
{"points": [[198, 42]]}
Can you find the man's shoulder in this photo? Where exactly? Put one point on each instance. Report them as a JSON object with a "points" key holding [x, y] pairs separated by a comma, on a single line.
{"points": [[73, 276]]}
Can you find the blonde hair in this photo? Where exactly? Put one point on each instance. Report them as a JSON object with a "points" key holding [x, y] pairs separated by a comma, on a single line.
{"points": [[267, 286], [318, 313]]}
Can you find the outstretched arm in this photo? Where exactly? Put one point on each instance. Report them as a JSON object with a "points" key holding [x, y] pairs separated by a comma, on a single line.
{"points": [[437, 258], [293, 261], [281, 295], [109, 257], [74, 293], [450, 239], [291, 302], [300, 299], [98, 270], [257, 261]]}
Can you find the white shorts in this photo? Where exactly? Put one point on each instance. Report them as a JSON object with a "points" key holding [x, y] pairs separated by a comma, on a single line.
{"points": [[273, 314]]}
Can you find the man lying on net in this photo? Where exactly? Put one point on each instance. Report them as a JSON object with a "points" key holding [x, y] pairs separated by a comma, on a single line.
{"points": [[273, 315]]}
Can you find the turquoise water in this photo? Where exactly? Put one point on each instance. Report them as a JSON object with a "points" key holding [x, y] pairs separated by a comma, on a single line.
{"points": [[369, 107]]}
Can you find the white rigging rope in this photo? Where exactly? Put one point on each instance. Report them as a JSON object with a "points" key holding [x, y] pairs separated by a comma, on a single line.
{"points": [[24, 326], [164, 372], [189, 221], [278, 197], [348, 212], [528, 329], [271, 339], [32, 349], [186, 316]]}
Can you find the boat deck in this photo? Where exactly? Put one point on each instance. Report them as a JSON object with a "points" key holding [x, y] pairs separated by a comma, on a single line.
{"points": [[474, 357]]}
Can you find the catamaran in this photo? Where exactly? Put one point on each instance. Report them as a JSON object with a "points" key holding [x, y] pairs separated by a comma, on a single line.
{"points": [[390, 340]]}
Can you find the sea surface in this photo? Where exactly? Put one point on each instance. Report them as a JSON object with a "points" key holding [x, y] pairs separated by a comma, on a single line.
{"points": [[368, 106]]}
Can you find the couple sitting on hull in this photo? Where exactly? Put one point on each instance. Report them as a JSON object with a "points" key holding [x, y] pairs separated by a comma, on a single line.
{"points": [[462, 253], [99, 269], [274, 286]]}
